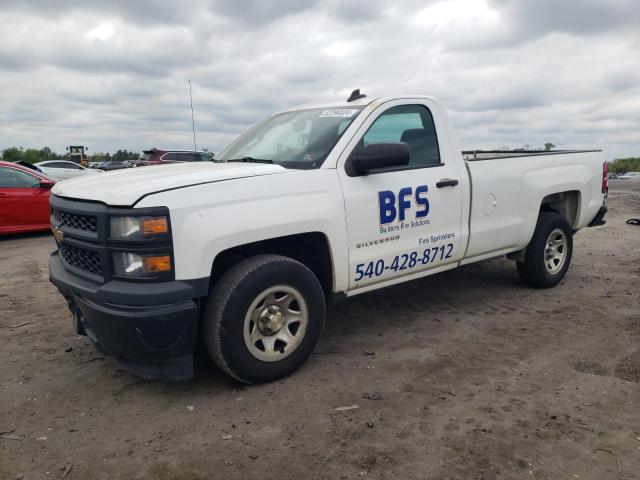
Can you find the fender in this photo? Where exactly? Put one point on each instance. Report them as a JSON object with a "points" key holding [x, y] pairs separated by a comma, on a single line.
{"points": [[228, 214]]}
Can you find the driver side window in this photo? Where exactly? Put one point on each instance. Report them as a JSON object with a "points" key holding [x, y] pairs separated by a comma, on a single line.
{"points": [[53, 165], [13, 178], [410, 124]]}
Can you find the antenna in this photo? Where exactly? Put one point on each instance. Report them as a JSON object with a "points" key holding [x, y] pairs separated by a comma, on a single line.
{"points": [[193, 122], [355, 95]]}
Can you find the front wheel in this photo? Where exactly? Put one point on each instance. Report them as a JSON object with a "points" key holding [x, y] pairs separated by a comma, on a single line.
{"points": [[264, 318], [549, 252]]}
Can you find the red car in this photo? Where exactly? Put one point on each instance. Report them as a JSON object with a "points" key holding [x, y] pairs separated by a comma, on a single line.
{"points": [[24, 199]]}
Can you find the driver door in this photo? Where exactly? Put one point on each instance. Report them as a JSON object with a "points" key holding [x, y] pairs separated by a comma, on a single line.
{"points": [[406, 220]]}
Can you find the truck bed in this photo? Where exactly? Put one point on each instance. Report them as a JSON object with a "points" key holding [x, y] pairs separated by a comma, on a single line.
{"points": [[506, 194], [474, 155]]}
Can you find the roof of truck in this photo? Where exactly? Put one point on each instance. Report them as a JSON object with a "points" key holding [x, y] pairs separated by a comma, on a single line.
{"points": [[361, 102]]}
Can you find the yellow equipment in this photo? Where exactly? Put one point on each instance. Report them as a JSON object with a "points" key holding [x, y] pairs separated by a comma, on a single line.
{"points": [[78, 154]]}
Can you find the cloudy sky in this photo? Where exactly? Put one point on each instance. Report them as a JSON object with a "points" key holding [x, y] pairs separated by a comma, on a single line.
{"points": [[113, 74]]}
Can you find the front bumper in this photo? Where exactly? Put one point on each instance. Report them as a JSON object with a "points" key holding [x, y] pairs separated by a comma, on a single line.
{"points": [[149, 329]]}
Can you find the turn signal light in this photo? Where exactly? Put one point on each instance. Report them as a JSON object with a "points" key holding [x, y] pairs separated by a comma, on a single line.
{"points": [[155, 226], [157, 264]]}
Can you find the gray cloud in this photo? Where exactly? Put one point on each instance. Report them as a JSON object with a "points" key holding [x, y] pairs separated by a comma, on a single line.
{"points": [[143, 12], [582, 17], [259, 12], [114, 74]]}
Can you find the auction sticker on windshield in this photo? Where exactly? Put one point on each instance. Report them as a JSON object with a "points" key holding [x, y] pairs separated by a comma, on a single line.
{"points": [[338, 112]]}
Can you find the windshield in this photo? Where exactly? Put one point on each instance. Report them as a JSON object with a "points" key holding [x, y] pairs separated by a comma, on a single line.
{"points": [[298, 139]]}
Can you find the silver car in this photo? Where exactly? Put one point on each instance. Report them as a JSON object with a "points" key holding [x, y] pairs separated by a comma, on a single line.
{"points": [[629, 176], [63, 169]]}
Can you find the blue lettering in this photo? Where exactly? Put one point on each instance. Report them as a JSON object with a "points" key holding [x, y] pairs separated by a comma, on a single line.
{"points": [[392, 207], [423, 201], [387, 206], [403, 203]]}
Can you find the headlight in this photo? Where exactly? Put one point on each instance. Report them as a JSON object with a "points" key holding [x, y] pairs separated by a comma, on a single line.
{"points": [[141, 265], [137, 228]]}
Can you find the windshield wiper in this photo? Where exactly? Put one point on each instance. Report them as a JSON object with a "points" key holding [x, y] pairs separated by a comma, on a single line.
{"points": [[250, 160]]}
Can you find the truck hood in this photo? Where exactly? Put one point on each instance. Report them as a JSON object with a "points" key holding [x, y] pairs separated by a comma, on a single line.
{"points": [[126, 187]]}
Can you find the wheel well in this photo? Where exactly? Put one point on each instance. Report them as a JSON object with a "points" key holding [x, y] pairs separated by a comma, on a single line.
{"points": [[564, 203], [310, 249]]}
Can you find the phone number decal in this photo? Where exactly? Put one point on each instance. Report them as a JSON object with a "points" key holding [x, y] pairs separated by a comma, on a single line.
{"points": [[403, 261]]}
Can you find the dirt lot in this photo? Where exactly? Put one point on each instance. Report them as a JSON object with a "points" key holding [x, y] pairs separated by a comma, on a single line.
{"points": [[465, 375]]}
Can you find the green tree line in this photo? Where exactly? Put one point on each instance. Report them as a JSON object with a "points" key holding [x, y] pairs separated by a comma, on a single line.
{"points": [[33, 155], [30, 155], [624, 165]]}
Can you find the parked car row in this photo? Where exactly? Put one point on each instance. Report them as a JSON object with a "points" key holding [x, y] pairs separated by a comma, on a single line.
{"points": [[25, 190], [24, 187], [629, 176], [155, 156]]}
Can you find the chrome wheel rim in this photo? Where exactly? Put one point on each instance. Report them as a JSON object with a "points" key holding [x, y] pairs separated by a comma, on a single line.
{"points": [[275, 323], [555, 252]]}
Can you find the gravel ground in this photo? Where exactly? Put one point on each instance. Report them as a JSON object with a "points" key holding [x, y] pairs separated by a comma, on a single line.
{"points": [[464, 375]]}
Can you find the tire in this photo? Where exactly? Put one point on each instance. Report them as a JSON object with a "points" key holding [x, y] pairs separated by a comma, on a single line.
{"points": [[258, 341], [548, 254]]}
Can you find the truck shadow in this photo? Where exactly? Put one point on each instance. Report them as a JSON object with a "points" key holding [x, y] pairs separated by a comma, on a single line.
{"points": [[466, 291], [470, 290]]}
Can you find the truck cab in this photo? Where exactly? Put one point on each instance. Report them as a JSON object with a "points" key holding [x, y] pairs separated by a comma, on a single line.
{"points": [[310, 205]]}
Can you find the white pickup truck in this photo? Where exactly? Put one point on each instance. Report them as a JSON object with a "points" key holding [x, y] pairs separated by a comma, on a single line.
{"points": [[307, 206]]}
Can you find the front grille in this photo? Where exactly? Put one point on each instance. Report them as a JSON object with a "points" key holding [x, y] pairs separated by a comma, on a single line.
{"points": [[80, 258], [88, 223], [84, 246]]}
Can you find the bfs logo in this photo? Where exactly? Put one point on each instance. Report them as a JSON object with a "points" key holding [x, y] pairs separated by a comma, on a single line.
{"points": [[394, 207]]}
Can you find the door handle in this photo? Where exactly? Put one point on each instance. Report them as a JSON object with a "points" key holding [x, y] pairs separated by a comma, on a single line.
{"points": [[447, 182]]}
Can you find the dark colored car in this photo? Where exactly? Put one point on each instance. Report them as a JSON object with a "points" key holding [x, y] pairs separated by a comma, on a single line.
{"points": [[156, 156], [117, 165], [24, 199]]}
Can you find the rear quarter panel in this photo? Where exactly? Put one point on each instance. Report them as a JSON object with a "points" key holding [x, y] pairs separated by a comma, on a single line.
{"points": [[506, 195]]}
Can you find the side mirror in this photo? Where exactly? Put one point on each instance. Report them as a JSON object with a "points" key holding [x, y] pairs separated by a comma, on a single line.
{"points": [[46, 184], [378, 156]]}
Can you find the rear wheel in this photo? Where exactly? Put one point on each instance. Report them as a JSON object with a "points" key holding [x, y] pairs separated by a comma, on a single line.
{"points": [[549, 253], [263, 318]]}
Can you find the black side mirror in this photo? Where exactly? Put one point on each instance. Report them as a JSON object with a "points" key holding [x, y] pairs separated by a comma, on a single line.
{"points": [[378, 156], [47, 184]]}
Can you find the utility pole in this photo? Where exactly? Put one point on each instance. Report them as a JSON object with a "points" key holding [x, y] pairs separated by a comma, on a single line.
{"points": [[193, 122]]}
